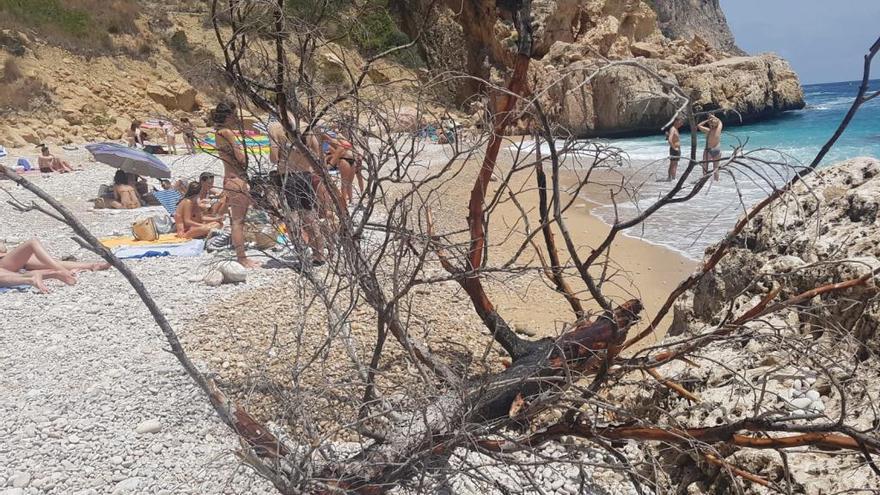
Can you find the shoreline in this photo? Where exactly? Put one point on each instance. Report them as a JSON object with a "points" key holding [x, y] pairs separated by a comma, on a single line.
{"points": [[637, 269]]}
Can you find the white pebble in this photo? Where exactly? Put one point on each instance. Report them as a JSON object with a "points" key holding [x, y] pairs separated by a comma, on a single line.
{"points": [[149, 426]]}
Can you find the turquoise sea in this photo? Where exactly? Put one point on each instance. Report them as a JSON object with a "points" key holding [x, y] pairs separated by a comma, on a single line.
{"points": [[797, 136]]}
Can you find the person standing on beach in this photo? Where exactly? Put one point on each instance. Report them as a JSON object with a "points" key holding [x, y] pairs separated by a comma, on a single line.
{"points": [[235, 185], [297, 184], [674, 139], [189, 135], [170, 137], [712, 128]]}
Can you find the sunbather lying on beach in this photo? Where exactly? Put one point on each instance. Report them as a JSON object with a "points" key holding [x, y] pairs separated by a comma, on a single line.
{"points": [[188, 218], [30, 264]]}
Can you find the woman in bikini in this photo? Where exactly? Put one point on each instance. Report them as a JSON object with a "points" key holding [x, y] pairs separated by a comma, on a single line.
{"points": [[125, 195], [235, 183], [343, 158], [188, 217], [30, 264]]}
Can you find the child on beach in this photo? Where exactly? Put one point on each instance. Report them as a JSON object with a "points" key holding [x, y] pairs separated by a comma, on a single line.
{"points": [[712, 128], [170, 137]]}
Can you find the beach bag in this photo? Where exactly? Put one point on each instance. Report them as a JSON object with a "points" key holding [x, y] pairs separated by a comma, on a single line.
{"points": [[261, 236], [24, 164], [145, 230], [164, 224]]}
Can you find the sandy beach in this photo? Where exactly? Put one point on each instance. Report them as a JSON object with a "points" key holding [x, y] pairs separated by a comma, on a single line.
{"points": [[637, 269]]}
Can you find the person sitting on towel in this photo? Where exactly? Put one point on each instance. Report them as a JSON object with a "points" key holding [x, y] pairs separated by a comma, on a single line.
{"points": [[30, 264], [50, 163], [211, 200], [188, 217], [125, 195]]}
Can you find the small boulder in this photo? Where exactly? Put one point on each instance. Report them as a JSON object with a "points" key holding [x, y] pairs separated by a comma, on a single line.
{"points": [[214, 278], [149, 426], [233, 272]]}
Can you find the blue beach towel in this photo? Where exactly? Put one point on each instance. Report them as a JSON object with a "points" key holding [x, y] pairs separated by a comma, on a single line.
{"points": [[189, 249], [169, 199], [15, 288], [24, 164]]}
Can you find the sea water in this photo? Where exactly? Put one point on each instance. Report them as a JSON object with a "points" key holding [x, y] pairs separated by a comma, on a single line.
{"points": [[796, 136]]}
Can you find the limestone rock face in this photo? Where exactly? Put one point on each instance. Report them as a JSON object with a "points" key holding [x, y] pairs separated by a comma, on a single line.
{"points": [[829, 224], [686, 41], [625, 100], [173, 96], [704, 18], [825, 232], [756, 87]]}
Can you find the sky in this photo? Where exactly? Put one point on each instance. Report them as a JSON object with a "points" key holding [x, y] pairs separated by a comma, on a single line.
{"points": [[824, 40]]}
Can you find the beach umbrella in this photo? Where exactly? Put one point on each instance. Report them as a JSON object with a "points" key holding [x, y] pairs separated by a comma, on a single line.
{"points": [[130, 160]]}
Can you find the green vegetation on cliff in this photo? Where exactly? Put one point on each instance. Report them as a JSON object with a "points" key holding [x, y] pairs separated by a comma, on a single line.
{"points": [[78, 24]]}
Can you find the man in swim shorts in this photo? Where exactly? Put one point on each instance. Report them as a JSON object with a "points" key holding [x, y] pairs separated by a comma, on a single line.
{"points": [[674, 139], [712, 128]]}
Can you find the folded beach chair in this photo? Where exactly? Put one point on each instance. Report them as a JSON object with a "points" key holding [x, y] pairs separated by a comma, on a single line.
{"points": [[169, 199]]}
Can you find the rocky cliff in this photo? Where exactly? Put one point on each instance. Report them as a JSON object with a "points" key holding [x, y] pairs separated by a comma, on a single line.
{"points": [[801, 360], [685, 41], [684, 19], [166, 67]]}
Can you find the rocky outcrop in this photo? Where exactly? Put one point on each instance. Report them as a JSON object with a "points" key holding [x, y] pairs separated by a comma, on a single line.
{"points": [[573, 39], [831, 219], [684, 19], [800, 359], [589, 100], [754, 87], [175, 95]]}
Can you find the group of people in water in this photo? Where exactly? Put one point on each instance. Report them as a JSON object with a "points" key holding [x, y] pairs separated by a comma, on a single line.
{"points": [[712, 128]]}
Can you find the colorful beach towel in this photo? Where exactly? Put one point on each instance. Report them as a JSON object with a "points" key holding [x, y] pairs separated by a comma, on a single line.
{"points": [[127, 241], [254, 142], [187, 249]]}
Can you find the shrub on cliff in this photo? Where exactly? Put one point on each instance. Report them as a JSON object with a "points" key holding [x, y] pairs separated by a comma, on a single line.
{"points": [[84, 25]]}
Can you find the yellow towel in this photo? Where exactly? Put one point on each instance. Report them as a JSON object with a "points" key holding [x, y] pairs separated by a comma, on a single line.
{"points": [[115, 242]]}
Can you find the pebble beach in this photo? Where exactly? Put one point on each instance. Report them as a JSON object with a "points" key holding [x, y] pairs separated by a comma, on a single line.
{"points": [[95, 405], [91, 402]]}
